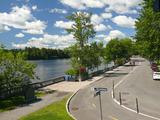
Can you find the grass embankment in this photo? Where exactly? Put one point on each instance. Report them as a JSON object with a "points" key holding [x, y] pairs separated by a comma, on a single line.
{"points": [[54, 111]]}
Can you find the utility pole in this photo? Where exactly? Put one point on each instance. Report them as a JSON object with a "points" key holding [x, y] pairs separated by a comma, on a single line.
{"points": [[98, 93]]}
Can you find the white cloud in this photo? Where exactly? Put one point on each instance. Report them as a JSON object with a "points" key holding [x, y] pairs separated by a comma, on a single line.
{"points": [[124, 21], [56, 10], [63, 24], [83, 4], [92, 3], [19, 35], [118, 6], [48, 41], [106, 15], [100, 36], [20, 18], [114, 34], [95, 19], [102, 27], [35, 27], [4, 28], [34, 7], [122, 7]]}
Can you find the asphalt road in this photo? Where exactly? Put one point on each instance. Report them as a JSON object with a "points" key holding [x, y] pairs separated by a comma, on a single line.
{"points": [[137, 83]]}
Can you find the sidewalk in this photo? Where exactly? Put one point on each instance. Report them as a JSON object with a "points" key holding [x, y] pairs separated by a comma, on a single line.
{"points": [[68, 86]]}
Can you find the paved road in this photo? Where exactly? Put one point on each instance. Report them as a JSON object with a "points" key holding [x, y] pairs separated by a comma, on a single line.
{"points": [[21, 111], [140, 84], [84, 106]]}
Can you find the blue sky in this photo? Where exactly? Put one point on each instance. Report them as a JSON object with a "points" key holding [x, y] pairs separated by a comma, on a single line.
{"points": [[42, 23]]}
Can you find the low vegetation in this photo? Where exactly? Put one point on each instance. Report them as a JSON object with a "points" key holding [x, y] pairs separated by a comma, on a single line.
{"points": [[54, 111]]}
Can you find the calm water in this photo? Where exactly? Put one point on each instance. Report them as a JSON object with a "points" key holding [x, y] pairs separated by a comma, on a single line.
{"points": [[47, 69]]}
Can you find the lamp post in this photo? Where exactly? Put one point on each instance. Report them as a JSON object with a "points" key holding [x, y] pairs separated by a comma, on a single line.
{"points": [[98, 93]]}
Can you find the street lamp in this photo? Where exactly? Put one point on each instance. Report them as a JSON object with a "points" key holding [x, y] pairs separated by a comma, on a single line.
{"points": [[98, 93]]}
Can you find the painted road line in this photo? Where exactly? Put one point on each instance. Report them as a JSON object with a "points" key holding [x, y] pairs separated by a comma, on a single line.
{"points": [[129, 109], [112, 118]]}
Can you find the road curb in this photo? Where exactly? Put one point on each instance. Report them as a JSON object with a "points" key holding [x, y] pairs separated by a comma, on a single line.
{"points": [[67, 105], [70, 98], [127, 108]]}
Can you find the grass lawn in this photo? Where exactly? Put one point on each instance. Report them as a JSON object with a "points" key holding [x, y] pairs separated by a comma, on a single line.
{"points": [[54, 111]]}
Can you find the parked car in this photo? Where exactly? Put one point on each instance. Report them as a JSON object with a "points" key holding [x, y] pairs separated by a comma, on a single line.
{"points": [[156, 75], [154, 67]]}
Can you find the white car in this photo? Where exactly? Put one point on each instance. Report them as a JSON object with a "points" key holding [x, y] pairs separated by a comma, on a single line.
{"points": [[156, 75]]}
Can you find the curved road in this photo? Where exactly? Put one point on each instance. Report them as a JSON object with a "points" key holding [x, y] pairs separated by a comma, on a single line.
{"points": [[137, 83]]}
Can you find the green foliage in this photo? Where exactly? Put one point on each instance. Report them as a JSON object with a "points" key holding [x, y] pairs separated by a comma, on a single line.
{"points": [[82, 29], [41, 54], [72, 72], [118, 50], [148, 31], [14, 70], [83, 53], [55, 111]]}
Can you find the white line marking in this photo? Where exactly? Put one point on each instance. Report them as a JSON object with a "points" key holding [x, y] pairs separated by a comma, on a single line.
{"points": [[143, 114]]}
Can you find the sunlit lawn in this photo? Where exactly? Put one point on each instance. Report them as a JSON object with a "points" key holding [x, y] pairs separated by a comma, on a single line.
{"points": [[54, 111]]}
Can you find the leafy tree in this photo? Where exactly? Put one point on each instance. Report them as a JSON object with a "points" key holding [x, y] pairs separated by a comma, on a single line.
{"points": [[82, 29], [14, 71], [118, 50], [148, 31]]}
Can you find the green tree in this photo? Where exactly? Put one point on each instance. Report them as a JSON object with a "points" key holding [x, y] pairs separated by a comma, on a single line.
{"points": [[148, 31], [14, 70], [82, 30], [118, 50]]}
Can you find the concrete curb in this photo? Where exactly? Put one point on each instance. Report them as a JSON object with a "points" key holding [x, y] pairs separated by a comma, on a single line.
{"points": [[127, 108], [67, 105]]}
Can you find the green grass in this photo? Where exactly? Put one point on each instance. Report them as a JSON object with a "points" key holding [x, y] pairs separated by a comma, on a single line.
{"points": [[54, 111]]}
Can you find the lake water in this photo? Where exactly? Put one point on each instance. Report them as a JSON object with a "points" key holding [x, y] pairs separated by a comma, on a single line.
{"points": [[47, 69]]}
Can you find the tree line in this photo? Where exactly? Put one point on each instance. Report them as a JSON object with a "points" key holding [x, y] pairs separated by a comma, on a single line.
{"points": [[34, 53]]}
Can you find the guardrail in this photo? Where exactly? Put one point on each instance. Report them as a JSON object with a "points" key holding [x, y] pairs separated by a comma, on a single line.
{"points": [[21, 90], [41, 84]]}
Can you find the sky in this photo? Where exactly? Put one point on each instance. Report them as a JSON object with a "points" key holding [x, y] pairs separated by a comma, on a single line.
{"points": [[42, 23]]}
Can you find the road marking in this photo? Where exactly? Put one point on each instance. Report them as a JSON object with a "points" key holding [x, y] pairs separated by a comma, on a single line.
{"points": [[112, 118], [123, 79]]}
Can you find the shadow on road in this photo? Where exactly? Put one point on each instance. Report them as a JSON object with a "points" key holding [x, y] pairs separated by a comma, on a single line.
{"points": [[114, 74]]}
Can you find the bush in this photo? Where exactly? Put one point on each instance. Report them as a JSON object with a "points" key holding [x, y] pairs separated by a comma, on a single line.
{"points": [[72, 72]]}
